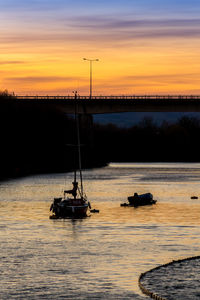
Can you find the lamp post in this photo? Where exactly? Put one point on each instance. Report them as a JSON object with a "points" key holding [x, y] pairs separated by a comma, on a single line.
{"points": [[91, 61]]}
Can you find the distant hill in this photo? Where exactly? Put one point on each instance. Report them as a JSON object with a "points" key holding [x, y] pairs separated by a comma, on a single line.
{"points": [[130, 119]]}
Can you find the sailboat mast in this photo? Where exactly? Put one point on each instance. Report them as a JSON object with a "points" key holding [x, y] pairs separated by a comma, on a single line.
{"points": [[79, 147]]}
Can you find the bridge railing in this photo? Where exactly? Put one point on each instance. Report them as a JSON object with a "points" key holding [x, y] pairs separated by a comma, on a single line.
{"points": [[112, 97]]}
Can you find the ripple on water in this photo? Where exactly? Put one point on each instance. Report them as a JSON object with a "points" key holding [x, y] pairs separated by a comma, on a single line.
{"points": [[99, 257]]}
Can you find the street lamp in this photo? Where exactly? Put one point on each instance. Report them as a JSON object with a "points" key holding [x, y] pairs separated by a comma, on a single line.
{"points": [[91, 61]]}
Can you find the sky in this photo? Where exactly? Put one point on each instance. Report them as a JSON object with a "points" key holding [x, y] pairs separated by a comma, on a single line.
{"points": [[143, 46]]}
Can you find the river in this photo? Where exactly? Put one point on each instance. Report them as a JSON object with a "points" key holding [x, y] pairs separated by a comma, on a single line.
{"points": [[101, 256]]}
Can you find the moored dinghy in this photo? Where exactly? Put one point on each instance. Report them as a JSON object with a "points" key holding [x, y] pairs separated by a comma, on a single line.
{"points": [[140, 200]]}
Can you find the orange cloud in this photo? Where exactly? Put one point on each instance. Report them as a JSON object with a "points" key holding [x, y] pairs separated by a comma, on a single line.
{"points": [[137, 56]]}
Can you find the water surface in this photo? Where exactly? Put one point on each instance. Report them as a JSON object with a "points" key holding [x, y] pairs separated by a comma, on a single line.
{"points": [[102, 256]]}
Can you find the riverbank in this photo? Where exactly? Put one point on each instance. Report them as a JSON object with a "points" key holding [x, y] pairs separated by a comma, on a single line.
{"points": [[37, 140], [178, 279]]}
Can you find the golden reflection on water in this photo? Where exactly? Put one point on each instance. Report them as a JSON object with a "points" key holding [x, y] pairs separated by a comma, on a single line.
{"points": [[128, 240], [160, 213], [107, 250]]}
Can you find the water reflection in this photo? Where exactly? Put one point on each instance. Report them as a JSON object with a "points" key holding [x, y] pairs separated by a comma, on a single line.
{"points": [[99, 257]]}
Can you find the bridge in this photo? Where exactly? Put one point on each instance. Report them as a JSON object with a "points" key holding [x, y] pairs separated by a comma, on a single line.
{"points": [[116, 104]]}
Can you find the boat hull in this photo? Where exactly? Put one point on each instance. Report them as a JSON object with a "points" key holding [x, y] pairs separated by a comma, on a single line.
{"points": [[72, 211], [133, 202], [64, 209], [141, 200]]}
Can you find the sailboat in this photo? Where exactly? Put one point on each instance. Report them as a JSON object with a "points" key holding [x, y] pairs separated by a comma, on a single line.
{"points": [[75, 205]]}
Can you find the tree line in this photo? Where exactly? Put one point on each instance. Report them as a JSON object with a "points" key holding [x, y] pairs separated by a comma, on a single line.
{"points": [[150, 142], [39, 139]]}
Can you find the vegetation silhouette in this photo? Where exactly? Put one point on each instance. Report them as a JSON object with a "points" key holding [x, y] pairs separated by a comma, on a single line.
{"points": [[150, 142], [4, 95], [39, 139]]}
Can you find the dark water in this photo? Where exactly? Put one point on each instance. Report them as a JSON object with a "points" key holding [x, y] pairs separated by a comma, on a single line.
{"points": [[102, 256]]}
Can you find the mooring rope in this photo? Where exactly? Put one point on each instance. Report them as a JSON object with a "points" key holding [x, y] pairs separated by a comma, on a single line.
{"points": [[142, 275]]}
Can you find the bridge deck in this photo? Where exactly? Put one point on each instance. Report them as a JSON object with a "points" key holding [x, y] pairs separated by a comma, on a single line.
{"points": [[112, 97], [117, 104]]}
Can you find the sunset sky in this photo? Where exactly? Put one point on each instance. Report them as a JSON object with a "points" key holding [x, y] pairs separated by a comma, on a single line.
{"points": [[143, 46]]}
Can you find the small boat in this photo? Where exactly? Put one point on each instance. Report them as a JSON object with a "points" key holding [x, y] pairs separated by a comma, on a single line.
{"points": [[194, 197], [140, 200], [75, 205]]}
